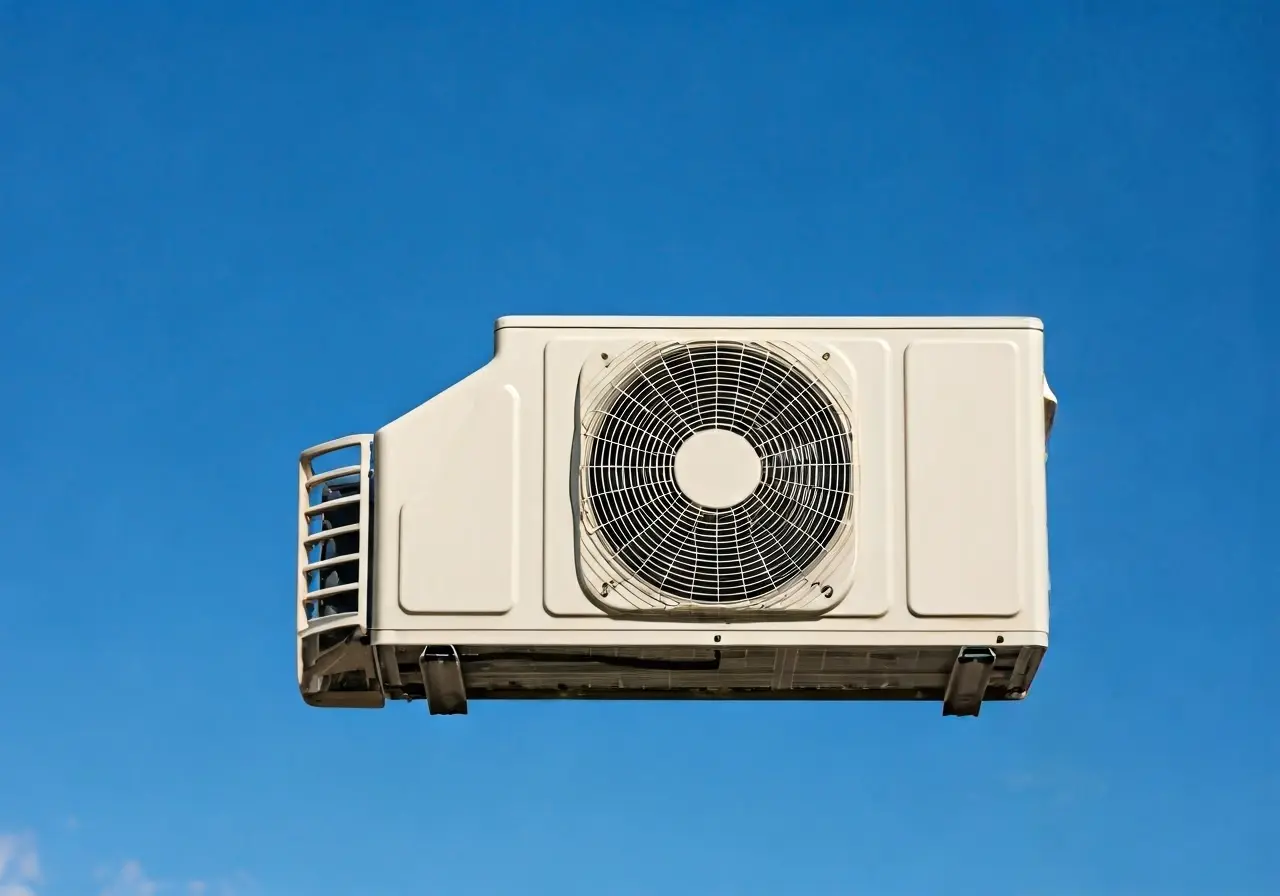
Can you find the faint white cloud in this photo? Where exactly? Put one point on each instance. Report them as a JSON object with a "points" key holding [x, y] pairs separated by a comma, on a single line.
{"points": [[20, 875], [19, 865], [1021, 781], [130, 880], [235, 885], [1059, 782]]}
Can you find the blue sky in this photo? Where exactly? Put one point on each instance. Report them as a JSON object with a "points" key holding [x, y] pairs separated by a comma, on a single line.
{"points": [[208, 220]]}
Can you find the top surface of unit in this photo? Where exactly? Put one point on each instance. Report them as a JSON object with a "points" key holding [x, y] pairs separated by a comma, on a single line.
{"points": [[760, 323]]}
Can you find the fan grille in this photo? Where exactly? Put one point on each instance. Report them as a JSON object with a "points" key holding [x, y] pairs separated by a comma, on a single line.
{"points": [[656, 533]]}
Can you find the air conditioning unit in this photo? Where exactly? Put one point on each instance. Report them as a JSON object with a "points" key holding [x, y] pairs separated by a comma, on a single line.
{"points": [[740, 508]]}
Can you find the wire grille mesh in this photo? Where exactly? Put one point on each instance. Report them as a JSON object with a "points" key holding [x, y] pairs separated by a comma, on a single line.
{"points": [[653, 532]]}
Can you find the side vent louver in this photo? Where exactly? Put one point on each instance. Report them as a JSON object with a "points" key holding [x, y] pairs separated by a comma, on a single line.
{"points": [[334, 520], [337, 570]]}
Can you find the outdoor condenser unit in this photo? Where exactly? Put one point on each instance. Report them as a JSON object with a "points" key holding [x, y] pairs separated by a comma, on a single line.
{"points": [[741, 508]]}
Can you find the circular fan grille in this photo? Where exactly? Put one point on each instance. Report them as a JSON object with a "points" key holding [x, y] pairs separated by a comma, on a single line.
{"points": [[761, 543]]}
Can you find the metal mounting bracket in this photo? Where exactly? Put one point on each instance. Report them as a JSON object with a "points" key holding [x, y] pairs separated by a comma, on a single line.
{"points": [[968, 683], [442, 679]]}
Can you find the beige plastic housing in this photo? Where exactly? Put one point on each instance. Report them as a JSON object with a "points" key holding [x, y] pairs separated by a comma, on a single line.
{"points": [[473, 526]]}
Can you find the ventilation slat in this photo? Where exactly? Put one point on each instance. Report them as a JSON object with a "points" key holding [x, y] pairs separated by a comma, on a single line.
{"points": [[329, 475], [326, 534], [327, 506]]}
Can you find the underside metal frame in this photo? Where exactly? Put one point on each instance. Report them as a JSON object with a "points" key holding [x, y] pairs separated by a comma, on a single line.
{"points": [[351, 673]]}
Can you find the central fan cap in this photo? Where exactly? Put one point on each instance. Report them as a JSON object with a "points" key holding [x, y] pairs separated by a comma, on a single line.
{"points": [[717, 468]]}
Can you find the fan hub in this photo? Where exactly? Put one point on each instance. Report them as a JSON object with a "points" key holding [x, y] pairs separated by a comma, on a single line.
{"points": [[717, 468]]}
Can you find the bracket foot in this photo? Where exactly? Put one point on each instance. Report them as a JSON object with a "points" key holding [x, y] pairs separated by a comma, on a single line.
{"points": [[968, 682], [442, 678]]}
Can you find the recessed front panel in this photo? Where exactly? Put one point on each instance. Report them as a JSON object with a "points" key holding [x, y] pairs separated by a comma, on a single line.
{"points": [[966, 474], [459, 532]]}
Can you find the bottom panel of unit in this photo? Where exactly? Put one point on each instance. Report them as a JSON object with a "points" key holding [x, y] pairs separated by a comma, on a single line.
{"points": [[750, 672], [489, 672]]}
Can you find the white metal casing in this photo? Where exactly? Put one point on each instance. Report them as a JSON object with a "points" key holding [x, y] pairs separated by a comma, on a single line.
{"points": [[476, 527]]}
